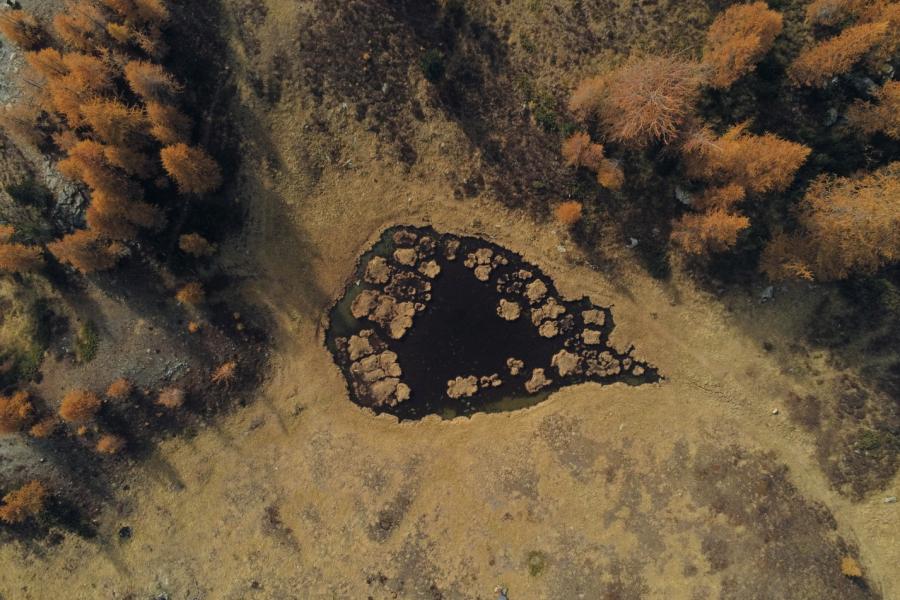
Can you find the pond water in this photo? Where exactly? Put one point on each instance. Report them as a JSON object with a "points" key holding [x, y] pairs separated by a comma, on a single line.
{"points": [[451, 325]]}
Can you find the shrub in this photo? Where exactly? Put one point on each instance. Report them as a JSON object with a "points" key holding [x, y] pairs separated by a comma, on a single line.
{"points": [[714, 231], [85, 250], [758, 163], [22, 29], [191, 294], [43, 428], [568, 213], [648, 100], [79, 406], [119, 389], [19, 258], [194, 171], [196, 245], [225, 373], [848, 226], [23, 503], [171, 397], [587, 98], [738, 39], [882, 116], [837, 55], [579, 151], [610, 174], [110, 444], [15, 412]]}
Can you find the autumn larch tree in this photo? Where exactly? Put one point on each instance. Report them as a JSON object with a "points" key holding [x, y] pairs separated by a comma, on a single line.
{"points": [[196, 245], [225, 373], [79, 406], [883, 115], [713, 231], [151, 82], [48, 62], [194, 171], [19, 258], [758, 163], [847, 226], [15, 411], [168, 124], [837, 55], [191, 294], [831, 12], [568, 213], [171, 397], [85, 250], [644, 101], [22, 29], [738, 39], [23, 503], [43, 428], [114, 122], [119, 389], [110, 443], [579, 151], [81, 26]]}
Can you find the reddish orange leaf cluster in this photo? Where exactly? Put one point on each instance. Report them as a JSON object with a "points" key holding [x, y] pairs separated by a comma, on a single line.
{"points": [[738, 39], [23, 503], [15, 412], [835, 56], [846, 226]]}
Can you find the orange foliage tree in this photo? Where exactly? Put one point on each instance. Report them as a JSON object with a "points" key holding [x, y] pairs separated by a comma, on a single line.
{"points": [[79, 406], [847, 226], [110, 443], [758, 163], [22, 29], [19, 258], [150, 81], [196, 245], [643, 101], [713, 231], [883, 115], [43, 428], [737, 40], [192, 168], [85, 250], [579, 151], [171, 397], [224, 373], [114, 122], [837, 55], [48, 62], [831, 12], [119, 389], [23, 503], [568, 213], [191, 294], [15, 412], [168, 124]]}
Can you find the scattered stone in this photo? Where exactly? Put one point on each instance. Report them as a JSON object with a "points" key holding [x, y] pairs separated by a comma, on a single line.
{"points": [[767, 294], [378, 270], [683, 196], [406, 256], [890, 500], [591, 337], [594, 316], [462, 387], [509, 310], [538, 380], [548, 329], [523, 274], [515, 366], [632, 243], [566, 362], [430, 269], [535, 290], [359, 345], [774, 411], [638, 370], [125, 533], [850, 567]]}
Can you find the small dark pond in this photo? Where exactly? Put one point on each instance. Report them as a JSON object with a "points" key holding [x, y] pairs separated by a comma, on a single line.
{"points": [[451, 325]]}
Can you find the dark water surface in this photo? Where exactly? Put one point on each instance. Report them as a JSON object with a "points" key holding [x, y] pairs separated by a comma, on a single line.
{"points": [[459, 333]]}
